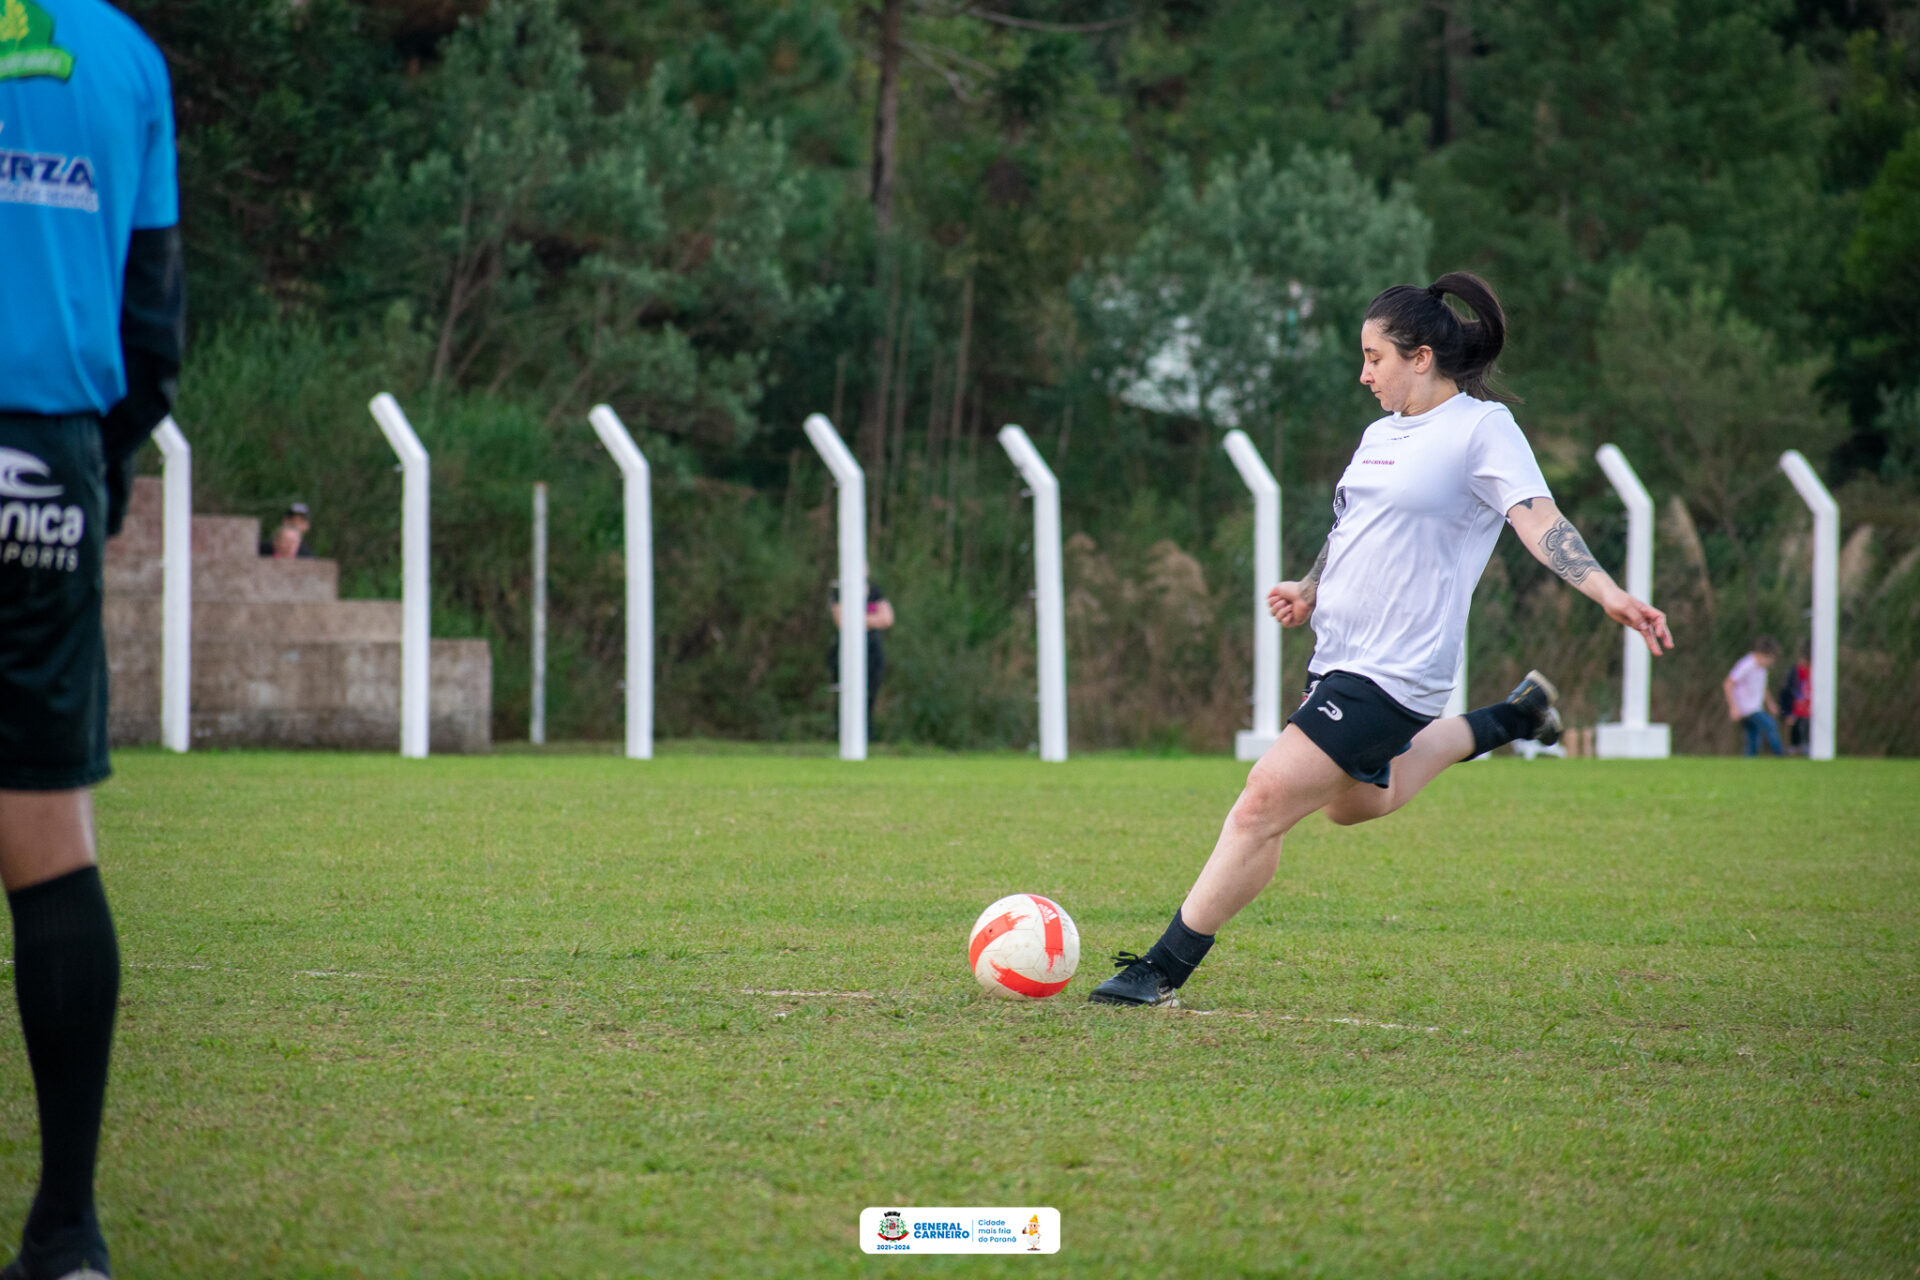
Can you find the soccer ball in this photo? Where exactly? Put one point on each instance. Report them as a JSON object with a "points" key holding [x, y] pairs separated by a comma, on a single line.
{"points": [[1024, 947]]}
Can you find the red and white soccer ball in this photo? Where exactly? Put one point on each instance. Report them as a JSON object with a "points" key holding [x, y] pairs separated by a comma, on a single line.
{"points": [[1024, 947]]}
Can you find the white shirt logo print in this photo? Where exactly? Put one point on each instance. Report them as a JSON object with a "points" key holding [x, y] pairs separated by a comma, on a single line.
{"points": [[1330, 711]]}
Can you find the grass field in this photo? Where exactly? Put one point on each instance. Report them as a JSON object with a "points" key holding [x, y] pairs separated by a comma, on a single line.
{"points": [[512, 1017]]}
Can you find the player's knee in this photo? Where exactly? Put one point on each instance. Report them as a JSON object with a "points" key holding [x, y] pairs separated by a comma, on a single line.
{"points": [[1261, 808], [1362, 804]]}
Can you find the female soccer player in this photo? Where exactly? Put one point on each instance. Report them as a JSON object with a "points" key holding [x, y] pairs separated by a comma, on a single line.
{"points": [[1415, 518]]}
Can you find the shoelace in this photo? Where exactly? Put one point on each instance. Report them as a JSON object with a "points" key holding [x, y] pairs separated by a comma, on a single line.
{"points": [[1126, 960]]}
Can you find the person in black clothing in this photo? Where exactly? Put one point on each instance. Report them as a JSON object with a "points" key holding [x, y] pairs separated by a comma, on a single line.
{"points": [[879, 618], [91, 329]]}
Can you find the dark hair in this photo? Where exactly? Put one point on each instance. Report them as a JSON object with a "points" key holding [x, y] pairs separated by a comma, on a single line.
{"points": [[1767, 646], [1463, 350]]}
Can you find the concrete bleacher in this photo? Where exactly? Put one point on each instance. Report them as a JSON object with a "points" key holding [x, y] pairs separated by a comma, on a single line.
{"points": [[279, 660]]}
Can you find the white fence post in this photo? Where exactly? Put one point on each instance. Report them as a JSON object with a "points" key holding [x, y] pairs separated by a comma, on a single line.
{"points": [[176, 592], [1633, 737], [537, 716], [1252, 744], [853, 583], [638, 501], [1826, 599], [1049, 609], [414, 584]]}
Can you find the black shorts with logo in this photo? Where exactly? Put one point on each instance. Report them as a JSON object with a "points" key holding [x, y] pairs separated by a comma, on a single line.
{"points": [[53, 653], [1354, 721]]}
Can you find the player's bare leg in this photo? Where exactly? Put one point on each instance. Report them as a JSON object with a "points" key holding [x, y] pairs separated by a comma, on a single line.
{"points": [[1527, 712], [1290, 781], [44, 834], [1442, 743], [66, 978]]}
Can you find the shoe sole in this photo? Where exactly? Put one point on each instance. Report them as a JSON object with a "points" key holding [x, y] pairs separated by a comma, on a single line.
{"points": [[1550, 723], [1171, 1002], [1550, 731]]}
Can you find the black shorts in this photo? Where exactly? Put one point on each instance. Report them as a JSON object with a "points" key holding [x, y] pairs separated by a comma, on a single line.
{"points": [[1354, 721], [53, 653]]}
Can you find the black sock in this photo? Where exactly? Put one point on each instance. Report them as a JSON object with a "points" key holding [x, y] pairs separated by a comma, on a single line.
{"points": [[66, 976], [1497, 725], [1179, 951]]}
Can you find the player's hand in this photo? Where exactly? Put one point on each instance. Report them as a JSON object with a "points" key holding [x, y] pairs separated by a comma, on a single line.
{"points": [[1289, 604], [1638, 615]]}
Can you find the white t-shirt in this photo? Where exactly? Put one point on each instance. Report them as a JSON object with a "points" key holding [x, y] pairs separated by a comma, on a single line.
{"points": [[1416, 515], [1749, 685]]}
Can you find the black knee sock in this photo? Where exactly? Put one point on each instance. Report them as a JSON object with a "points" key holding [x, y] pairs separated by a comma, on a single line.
{"points": [[66, 975], [1179, 951], [1496, 726]]}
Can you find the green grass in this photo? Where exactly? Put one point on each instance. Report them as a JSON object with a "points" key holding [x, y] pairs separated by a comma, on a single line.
{"points": [[494, 1017]]}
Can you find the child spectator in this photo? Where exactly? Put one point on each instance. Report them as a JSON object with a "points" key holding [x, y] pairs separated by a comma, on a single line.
{"points": [[1796, 703], [1749, 705]]}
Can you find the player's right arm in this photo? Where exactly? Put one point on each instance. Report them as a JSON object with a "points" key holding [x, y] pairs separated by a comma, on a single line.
{"points": [[1291, 603]]}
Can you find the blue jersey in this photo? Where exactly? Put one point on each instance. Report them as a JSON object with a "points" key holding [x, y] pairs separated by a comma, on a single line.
{"points": [[86, 159]]}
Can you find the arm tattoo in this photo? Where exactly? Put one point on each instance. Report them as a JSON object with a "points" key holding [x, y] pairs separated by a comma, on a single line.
{"points": [[1567, 554], [1311, 583]]}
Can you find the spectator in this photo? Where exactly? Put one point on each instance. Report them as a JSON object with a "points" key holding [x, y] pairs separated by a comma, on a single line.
{"points": [[296, 521], [1796, 702], [879, 618], [1749, 704]]}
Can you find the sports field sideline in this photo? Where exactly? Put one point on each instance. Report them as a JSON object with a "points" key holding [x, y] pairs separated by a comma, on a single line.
{"points": [[575, 1015]]}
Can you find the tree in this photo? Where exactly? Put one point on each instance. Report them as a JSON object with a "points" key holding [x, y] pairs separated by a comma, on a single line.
{"points": [[635, 256], [279, 109], [1681, 135], [1702, 398], [1883, 278], [1241, 303]]}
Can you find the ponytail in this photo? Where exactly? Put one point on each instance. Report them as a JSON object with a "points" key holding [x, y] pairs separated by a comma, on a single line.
{"points": [[1463, 350]]}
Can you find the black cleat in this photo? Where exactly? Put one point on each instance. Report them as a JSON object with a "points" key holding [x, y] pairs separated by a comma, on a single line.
{"points": [[76, 1254], [16, 1270], [1535, 696], [1138, 982]]}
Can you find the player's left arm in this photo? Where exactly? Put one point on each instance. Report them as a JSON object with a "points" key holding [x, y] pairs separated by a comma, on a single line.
{"points": [[1558, 545], [153, 300], [153, 329]]}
